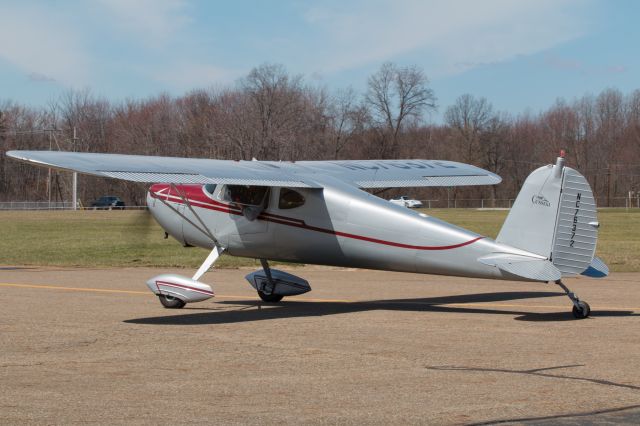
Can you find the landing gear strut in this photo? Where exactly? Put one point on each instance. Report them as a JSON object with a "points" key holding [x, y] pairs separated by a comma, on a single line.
{"points": [[266, 292], [581, 309]]}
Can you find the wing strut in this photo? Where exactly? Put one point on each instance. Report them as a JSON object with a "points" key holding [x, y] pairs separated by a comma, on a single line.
{"points": [[197, 216]]}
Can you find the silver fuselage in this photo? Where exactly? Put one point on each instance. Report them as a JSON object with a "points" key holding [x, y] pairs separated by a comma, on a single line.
{"points": [[338, 225]]}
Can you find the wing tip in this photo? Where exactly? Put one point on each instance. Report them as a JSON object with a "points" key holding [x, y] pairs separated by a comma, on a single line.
{"points": [[15, 154]]}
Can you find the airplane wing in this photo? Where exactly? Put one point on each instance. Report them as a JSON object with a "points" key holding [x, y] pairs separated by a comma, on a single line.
{"points": [[403, 173], [302, 174], [150, 169]]}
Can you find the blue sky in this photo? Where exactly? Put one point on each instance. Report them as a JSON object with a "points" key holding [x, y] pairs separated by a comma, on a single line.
{"points": [[519, 54]]}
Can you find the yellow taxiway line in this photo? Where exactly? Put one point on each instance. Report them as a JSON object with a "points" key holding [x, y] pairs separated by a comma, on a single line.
{"points": [[53, 287], [388, 302], [144, 293]]}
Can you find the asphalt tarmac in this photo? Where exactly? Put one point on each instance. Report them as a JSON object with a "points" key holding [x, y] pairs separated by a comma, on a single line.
{"points": [[94, 346]]}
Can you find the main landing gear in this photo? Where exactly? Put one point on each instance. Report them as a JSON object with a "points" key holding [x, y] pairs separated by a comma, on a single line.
{"points": [[266, 291], [171, 302], [581, 309], [272, 284], [270, 298], [175, 291]]}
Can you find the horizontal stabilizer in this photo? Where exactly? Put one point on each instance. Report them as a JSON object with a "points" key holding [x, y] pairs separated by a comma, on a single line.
{"points": [[597, 269], [523, 266]]}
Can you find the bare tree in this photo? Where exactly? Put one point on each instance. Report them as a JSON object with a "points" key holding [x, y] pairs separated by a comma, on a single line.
{"points": [[584, 108], [523, 151], [195, 117], [395, 96], [494, 147], [3, 139], [633, 108], [610, 116], [561, 130], [469, 117], [237, 126], [276, 100], [348, 119], [271, 114]]}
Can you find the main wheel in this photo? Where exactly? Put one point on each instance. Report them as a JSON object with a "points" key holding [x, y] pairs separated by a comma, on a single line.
{"points": [[171, 302], [583, 312], [273, 298]]}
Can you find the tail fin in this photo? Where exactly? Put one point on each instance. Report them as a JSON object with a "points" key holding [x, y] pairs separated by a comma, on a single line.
{"points": [[554, 216]]}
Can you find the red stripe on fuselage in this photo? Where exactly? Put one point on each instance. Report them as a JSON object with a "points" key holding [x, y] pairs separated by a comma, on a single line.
{"points": [[193, 193]]}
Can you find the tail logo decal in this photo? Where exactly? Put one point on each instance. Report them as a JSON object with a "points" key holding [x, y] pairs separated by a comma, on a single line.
{"points": [[540, 200]]}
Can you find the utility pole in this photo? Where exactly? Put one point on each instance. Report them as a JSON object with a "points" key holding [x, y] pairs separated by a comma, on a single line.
{"points": [[609, 186], [51, 132], [75, 175], [49, 174]]}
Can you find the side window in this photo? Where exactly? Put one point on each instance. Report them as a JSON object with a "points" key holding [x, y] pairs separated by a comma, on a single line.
{"points": [[289, 199], [247, 195], [209, 188]]}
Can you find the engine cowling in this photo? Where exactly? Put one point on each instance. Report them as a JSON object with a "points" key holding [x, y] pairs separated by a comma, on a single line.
{"points": [[186, 289], [168, 219]]}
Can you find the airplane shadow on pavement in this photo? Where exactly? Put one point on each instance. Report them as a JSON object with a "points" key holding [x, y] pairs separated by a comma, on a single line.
{"points": [[254, 310]]}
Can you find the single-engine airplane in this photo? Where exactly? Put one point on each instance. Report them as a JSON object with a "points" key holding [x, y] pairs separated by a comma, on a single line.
{"points": [[316, 212]]}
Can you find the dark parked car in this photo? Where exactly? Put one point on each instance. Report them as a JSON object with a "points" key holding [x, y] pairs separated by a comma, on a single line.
{"points": [[108, 202]]}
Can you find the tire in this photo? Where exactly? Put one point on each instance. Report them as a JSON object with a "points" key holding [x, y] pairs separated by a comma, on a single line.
{"points": [[583, 312], [171, 302], [271, 298]]}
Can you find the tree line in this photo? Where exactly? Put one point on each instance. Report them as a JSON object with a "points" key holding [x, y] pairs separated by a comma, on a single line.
{"points": [[270, 114]]}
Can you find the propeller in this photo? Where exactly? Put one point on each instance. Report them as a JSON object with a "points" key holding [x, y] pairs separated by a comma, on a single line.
{"points": [[141, 225]]}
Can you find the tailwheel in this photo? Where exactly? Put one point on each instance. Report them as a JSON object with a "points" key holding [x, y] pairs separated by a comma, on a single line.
{"points": [[171, 302], [582, 310], [273, 298]]}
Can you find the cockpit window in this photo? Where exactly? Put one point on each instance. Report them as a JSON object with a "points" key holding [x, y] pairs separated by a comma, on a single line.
{"points": [[209, 188], [247, 195], [290, 199]]}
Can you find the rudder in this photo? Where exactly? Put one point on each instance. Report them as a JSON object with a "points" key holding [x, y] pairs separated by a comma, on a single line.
{"points": [[576, 231]]}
